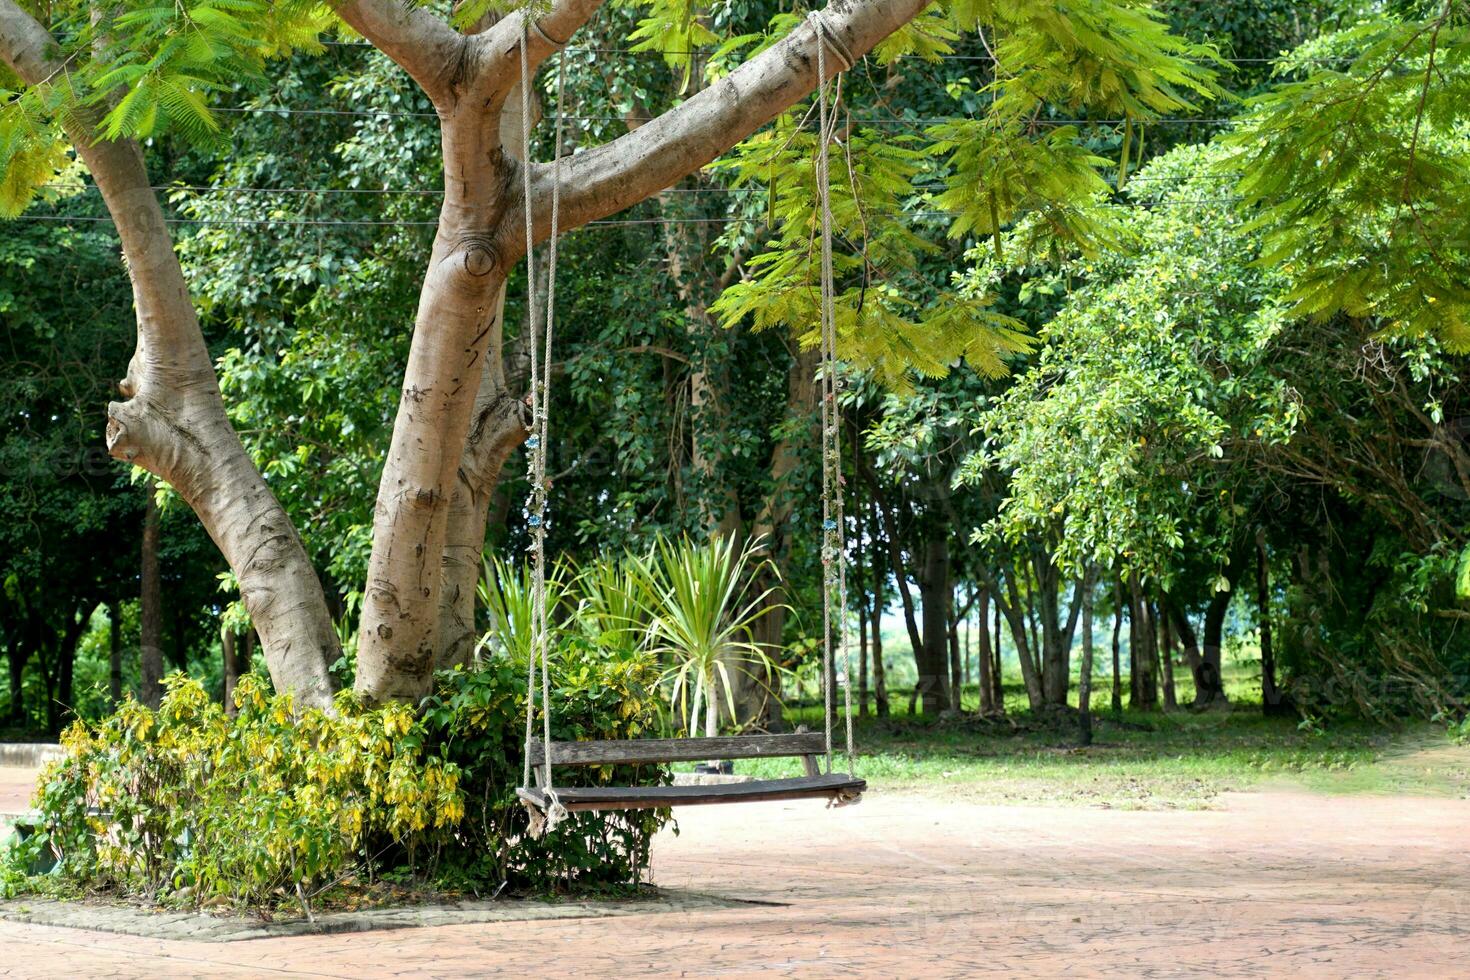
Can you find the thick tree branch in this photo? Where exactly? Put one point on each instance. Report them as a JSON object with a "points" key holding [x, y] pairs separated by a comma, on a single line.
{"points": [[432, 52], [499, 47], [25, 45], [619, 174]]}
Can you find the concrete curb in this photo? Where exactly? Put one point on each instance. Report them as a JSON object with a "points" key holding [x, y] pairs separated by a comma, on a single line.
{"points": [[28, 755]]}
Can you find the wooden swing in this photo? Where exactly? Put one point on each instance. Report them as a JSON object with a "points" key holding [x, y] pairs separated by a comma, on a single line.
{"points": [[549, 804]]}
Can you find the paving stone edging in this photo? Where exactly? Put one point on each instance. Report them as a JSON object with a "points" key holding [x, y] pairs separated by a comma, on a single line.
{"points": [[203, 927]]}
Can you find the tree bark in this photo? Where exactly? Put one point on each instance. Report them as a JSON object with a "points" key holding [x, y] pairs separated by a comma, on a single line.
{"points": [[150, 609], [500, 423], [932, 659], [956, 666], [1272, 701], [880, 577], [1084, 681], [114, 654], [997, 673], [230, 642], [1204, 665], [863, 618], [1143, 689], [1166, 659], [1010, 606], [1117, 704], [983, 661]]}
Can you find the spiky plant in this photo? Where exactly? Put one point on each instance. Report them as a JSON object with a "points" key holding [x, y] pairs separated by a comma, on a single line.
{"points": [[506, 592], [703, 604]]}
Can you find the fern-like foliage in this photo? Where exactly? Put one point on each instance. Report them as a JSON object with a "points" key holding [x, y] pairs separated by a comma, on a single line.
{"points": [[1358, 166], [138, 69], [881, 327]]}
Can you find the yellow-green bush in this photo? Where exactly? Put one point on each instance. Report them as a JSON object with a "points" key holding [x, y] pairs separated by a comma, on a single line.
{"points": [[190, 806]]}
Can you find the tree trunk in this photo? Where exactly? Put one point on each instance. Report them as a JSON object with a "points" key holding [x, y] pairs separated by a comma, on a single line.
{"points": [[956, 667], [880, 674], [500, 424], [1010, 606], [932, 659], [1143, 689], [1209, 680], [1272, 701], [983, 661], [1205, 666], [114, 654], [998, 667], [1166, 660], [863, 617], [1084, 681], [150, 609], [1117, 704], [228, 639]]}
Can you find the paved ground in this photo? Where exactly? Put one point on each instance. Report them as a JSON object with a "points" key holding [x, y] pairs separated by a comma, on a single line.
{"points": [[1271, 885]]}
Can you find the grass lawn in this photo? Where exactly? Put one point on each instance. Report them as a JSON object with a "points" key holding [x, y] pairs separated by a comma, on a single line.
{"points": [[1140, 760]]}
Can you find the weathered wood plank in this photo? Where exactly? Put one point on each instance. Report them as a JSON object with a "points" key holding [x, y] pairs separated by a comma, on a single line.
{"points": [[647, 797], [644, 750]]}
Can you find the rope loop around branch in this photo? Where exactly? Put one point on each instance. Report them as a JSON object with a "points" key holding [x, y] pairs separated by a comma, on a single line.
{"points": [[827, 39]]}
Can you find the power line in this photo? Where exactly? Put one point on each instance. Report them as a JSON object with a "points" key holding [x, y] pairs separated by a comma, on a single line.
{"points": [[862, 120], [601, 222], [433, 192], [986, 58]]}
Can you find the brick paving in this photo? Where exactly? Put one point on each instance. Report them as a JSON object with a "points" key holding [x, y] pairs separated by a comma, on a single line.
{"points": [[1276, 884]]}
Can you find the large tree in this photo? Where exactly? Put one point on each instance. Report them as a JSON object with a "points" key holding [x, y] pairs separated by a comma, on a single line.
{"points": [[107, 76]]}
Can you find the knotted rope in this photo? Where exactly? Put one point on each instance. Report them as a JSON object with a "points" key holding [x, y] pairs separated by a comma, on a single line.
{"points": [[536, 504], [834, 555]]}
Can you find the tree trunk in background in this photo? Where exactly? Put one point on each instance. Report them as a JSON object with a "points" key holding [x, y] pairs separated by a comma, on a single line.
{"points": [[16, 656], [880, 674], [1084, 681], [114, 654], [1209, 680], [1166, 659], [956, 665], [1117, 704], [228, 642], [1011, 606], [984, 657], [753, 700], [933, 656], [1143, 691], [863, 616], [895, 560], [1272, 703], [998, 667], [150, 609], [1204, 665]]}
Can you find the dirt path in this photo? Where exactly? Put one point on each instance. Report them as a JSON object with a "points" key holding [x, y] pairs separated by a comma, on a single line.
{"points": [[1275, 884]]}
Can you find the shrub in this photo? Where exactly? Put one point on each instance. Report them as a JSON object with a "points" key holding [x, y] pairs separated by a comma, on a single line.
{"points": [[185, 805]]}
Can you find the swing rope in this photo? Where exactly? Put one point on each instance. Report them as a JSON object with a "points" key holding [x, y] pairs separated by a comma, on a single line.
{"points": [[834, 572], [536, 442], [834, 554]]}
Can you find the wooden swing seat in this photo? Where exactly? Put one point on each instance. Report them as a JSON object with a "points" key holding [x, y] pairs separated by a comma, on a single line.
{"points": [[836, 787]]}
